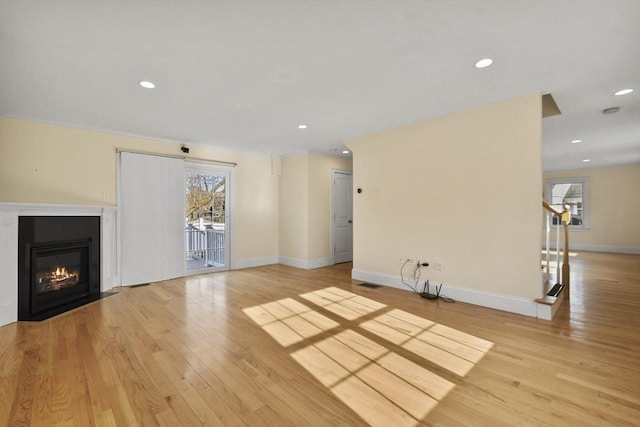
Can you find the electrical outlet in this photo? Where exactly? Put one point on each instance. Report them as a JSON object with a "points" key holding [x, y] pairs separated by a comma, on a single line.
{"points": [[437, 265]]}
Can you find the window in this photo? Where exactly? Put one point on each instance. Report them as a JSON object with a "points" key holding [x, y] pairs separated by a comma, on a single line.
{"points": [[572, 193]]}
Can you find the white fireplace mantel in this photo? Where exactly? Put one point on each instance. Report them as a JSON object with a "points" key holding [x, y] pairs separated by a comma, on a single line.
{"points": [[9, 214]]}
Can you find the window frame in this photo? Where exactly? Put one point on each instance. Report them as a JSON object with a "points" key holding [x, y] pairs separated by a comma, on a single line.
{"points": [[584, 181]]}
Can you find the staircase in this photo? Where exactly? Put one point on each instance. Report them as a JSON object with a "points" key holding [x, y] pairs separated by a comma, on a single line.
{"points": [[554, 294]]}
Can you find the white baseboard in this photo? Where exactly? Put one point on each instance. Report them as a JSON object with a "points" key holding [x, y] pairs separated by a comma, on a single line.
{"points": [[472, 296], [546, 312], [8, 314], [601, 248], [306, 264], [255, 262]]}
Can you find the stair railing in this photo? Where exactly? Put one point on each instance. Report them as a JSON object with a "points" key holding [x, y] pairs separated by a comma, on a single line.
{"points": [[563, 218]]}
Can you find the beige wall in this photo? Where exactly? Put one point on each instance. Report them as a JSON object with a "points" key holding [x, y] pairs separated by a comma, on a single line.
{"points": [[463, 190], [613, 211], [42, 163], [294, 207], [320, 209], [305, 208]]}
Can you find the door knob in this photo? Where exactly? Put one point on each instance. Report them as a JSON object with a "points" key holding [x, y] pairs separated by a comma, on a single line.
{"points": [[350, 222]]}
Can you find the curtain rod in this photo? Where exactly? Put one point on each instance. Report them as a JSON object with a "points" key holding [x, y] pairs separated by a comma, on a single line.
{"points": [[175, 156]]}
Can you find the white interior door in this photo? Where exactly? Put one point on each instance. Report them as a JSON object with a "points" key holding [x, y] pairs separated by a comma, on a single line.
{"points": [[342, 206]]}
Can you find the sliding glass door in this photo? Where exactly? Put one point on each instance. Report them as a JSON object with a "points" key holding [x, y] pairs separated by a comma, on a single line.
{"points": [[206, 217]]}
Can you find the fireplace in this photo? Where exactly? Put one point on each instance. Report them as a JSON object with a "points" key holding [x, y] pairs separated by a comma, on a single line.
{"points": [[59, 264], [59, 273]]}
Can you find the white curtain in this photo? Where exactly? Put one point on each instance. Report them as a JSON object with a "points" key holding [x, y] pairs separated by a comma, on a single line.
{"points": [[151, 215]]}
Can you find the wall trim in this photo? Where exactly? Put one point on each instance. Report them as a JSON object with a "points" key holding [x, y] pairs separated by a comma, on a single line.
{"points": [[472, 296], [599, 248], [306, 264], [546, 311], [255, 262]]}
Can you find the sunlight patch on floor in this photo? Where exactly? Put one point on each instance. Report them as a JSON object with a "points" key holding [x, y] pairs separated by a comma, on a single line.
{"points": [[343, 303], [381, 386], [289, 321], [555, 253], [451, 349]]}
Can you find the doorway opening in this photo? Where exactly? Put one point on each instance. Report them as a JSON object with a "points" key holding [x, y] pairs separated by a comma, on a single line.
{"points": [[207, 227], [342, 215]]}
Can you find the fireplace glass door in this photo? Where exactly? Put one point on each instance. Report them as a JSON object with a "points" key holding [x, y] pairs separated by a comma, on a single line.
{"points": [[59, 272]]}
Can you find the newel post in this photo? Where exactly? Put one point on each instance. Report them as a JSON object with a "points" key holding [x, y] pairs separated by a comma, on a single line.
{"points": [[566, 220]]}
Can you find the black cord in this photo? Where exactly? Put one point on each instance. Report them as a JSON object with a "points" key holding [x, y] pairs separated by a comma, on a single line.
{"points": [[428, 295], [414, 287]]}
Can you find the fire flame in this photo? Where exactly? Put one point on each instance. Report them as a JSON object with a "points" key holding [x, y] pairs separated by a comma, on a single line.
{"points": [[61, 273], [58, 278]]}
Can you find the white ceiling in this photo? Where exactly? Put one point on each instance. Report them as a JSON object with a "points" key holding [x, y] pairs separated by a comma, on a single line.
{"points": [[243, 74]]}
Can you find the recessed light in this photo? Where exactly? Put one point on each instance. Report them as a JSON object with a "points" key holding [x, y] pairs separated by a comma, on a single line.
{"points": [[345, 151], [586, 160], [484, 63], [147, 84], [302, 126], [623, 92], [576, 141]]}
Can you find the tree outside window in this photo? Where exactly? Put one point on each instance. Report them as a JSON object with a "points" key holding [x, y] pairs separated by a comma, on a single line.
{"points": [[205, 198]]}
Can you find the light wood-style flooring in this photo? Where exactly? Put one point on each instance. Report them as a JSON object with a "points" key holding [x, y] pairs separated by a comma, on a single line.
{"points": [[279, 346]]}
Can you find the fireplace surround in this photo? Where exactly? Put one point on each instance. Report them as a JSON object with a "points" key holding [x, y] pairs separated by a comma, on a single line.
{"points": [[59, 264], [104, 247]]}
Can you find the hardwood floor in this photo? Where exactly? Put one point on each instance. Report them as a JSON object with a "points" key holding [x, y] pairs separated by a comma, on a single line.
{"points": [[280, 346]]}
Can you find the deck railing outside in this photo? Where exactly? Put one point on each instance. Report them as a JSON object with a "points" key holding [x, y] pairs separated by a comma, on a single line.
{"points": [[205, 246]]}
